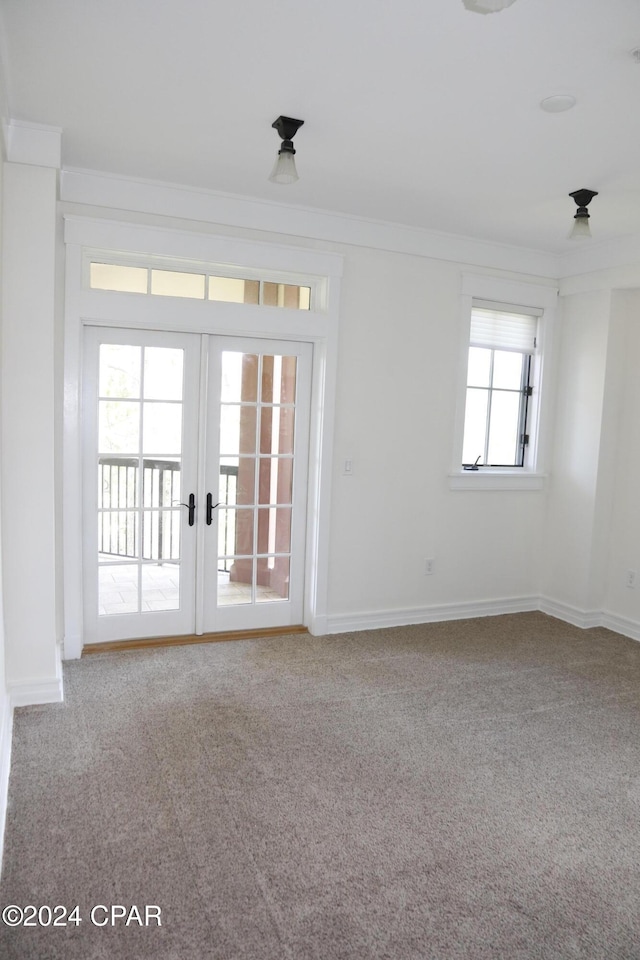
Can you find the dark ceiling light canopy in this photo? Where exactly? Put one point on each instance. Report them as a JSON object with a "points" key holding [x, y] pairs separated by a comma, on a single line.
{"points": [[284, 170], [581, 229]]}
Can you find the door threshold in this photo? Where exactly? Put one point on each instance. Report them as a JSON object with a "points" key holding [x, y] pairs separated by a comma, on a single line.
{"points": [[144, 643]]}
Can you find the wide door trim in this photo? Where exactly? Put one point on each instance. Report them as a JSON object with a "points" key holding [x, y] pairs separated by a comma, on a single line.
{"points": [[319, 326]]}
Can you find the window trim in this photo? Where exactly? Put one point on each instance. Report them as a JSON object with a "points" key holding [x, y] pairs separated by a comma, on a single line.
{"points": [[509, 294]]}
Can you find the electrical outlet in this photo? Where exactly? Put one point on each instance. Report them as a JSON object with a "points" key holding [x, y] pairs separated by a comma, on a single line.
{"points": [[631, 579], [428, 566]]}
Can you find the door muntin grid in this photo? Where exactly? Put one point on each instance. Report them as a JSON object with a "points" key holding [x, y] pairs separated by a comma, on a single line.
{"points": [[140, 426], [257, 427]]}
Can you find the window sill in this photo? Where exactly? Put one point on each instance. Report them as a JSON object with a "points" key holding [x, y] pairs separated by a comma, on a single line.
{"points": [[487, 479]]}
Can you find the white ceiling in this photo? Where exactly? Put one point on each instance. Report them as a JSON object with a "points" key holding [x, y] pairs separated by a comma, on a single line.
{"points": [[422, 113]]}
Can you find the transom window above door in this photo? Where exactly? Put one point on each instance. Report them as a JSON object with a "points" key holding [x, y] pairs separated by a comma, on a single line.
{"points": [[125, 278]]}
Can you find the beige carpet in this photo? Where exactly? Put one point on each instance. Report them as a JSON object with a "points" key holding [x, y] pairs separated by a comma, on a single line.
{"points": [[455, 790]]}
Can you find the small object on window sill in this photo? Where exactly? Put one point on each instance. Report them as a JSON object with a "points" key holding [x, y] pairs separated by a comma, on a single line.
{"points": [[471, 466]]}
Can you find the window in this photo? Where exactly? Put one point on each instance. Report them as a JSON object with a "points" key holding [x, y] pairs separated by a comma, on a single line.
{"points": [[197, 286], [502, 344]]}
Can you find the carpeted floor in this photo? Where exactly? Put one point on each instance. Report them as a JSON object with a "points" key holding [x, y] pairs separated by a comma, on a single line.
{"points": [[454, 790]]}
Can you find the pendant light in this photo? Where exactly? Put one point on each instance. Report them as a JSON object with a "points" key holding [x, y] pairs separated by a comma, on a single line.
{"points": [[583, 198], [284, 170]]}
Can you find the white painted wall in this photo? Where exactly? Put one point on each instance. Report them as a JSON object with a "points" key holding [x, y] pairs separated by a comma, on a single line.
{"points": [[624, 547], [28, 477], [398, 379], [572, 496], [5, 707]]}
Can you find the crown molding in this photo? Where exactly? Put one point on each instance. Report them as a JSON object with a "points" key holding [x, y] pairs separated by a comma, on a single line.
{"points": [[99, 189], [33, 143], [607, 255], [186, 203]]}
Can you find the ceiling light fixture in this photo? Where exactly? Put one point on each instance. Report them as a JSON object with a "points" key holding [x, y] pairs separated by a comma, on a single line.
{"points": [[581, 229], [487, 6], [284, 170]]}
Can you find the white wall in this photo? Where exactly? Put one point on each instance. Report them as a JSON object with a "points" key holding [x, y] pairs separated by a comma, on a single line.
{"points": [[624, 547], [28, 478], [572, 498], [5, 710], [398, 380], [593, 521]]}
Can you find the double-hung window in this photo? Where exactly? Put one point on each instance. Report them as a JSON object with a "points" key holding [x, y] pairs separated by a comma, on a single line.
{"points": [[502, 345]]}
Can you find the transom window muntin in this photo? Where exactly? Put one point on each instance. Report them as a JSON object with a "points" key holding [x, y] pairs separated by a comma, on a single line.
{"points": [[502, 343], [205, 284]]}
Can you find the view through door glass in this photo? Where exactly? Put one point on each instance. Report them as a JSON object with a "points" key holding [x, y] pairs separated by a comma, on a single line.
{"points": [[195, 492], [140, 394], [256, 469]]}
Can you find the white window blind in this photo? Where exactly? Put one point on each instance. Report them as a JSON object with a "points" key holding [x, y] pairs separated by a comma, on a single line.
{"points": [[503, 330]]}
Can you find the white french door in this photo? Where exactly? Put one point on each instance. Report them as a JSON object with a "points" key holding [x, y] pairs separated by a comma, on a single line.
{"points": [[195, 480]]}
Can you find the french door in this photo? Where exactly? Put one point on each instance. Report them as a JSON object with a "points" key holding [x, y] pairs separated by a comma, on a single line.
{"points": [[195, 479]]}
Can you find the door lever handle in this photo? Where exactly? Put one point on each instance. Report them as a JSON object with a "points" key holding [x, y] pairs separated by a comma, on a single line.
{"points": [[210, 508], [191, 507]]}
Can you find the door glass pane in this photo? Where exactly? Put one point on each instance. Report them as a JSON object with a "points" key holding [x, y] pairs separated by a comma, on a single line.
{"points": [[237, 480], [235, 532], [162, 428], [119, 370], [117, 534], [237, 430], [161, 535], [507, 370], [278, 383], [276, 479], [276, 430], [118, 426], [161, 482], [143, 525], [475, 426], [239, 377], [118, 482], [272, 579], [160, 587], [118, 589], [505, 423], [274, 530], [235, 585], [163, 373]]}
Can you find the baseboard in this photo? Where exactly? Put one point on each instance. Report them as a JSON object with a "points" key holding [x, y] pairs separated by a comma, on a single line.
{"points": [[6, 731], [318, 626], [625, 626], [27, 693], [570, 614], [586, 619], [346, 623]]}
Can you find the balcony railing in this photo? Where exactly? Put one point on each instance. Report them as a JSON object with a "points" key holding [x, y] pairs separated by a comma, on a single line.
{"points": [[118, 508]]}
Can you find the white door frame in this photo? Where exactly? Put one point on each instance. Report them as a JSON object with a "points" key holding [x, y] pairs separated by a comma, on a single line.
{"points": [[319, 326]]}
